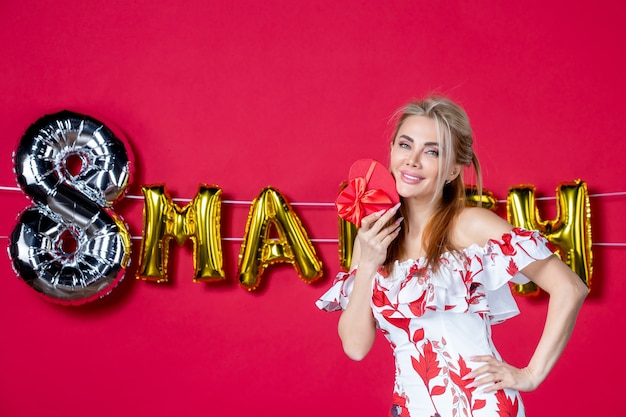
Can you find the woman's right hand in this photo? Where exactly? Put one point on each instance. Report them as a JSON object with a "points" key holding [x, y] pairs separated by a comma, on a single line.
{"points": [[357, 328], [376, 233]]}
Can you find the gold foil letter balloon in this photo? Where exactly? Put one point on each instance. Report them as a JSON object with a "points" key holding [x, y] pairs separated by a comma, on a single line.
{"points": [[570, 232], [484, 199], [347, 235], [199, 221], [259, 250]]}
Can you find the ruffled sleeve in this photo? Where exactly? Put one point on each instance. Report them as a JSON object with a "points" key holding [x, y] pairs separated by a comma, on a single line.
{"points": [[502, 261], [337, 297]]}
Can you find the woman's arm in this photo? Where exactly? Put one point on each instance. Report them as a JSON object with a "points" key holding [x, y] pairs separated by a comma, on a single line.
{"points": [[567, 293], [357, 329]]}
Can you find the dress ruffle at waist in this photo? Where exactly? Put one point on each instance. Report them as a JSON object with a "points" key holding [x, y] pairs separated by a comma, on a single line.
{"points": [[474, 280]]}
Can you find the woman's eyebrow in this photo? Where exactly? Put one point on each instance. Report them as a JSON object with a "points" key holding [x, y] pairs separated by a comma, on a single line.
{"points": [[410, 139]]}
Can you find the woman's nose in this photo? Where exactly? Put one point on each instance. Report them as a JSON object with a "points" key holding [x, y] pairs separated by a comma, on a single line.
{"points": [[413, 160]]}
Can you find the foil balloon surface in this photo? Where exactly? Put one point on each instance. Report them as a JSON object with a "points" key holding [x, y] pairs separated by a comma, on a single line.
{"points": [[570, 232], [269, 212], [484, 199], [347, 236], [71, 246], [198, 221]]}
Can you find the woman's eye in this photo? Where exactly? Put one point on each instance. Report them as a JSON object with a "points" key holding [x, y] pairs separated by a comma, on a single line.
{"points": [[404, 145], [433, 152]]}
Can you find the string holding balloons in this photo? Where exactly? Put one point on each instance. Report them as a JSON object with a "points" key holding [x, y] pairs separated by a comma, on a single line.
{"points": [[71, 246], [271, 211], [200, 221]]}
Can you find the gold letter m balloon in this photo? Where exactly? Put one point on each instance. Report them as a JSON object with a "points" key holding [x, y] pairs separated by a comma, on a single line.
{"points": [[259, 249], [570, 232], [199, 220]]}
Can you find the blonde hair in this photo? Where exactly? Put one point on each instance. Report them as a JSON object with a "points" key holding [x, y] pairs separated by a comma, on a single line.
{"points": [[454, 133]]}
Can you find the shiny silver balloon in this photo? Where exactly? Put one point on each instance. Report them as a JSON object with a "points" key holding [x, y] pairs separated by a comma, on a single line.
{"points": [[71, 246]]}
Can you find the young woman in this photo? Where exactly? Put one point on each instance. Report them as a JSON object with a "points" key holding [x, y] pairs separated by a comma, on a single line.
{"points": [[433, 274]]}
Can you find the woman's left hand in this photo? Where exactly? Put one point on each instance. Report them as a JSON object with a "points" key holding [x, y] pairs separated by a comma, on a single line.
{"points": [[500, 375]]}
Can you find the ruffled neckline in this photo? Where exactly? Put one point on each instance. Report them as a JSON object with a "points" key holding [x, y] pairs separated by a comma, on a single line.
{"points": [[470, 250], [473, 279]]}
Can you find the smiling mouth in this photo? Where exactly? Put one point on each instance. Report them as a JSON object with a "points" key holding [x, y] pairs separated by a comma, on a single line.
{"points": [[411, 178]]}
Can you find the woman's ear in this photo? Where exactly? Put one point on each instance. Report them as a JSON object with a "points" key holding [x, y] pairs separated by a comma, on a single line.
{"points": [[455, 170]]}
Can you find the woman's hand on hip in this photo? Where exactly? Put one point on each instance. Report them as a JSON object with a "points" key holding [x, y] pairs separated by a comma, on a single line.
{"points": [[499, 375]]}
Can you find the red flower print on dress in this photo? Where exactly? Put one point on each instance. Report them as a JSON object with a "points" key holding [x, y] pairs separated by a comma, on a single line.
{"points": [[342, 277], [418, 336], [512, 269], [382, 301], [462, 384], [506, 407], [418, 306], [525, 233], [421, 273], [379, 298], [476, 295], [467, 276], [427, 367], [506, 247], [400, 323], [552, 247]]}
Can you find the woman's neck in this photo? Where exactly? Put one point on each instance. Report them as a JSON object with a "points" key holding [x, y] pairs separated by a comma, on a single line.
{"points": [[417, 214]]}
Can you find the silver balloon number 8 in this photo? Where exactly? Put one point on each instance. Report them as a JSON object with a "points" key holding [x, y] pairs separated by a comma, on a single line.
{"points": [[71, 246]]}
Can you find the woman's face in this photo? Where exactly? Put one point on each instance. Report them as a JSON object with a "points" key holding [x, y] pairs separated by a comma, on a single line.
{"points": [[414, 160]]}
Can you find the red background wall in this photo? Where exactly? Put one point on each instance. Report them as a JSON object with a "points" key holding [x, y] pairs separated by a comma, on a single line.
{"points": [[247, 94]]}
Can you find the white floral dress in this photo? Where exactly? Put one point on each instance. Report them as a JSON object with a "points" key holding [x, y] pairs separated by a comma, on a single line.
{"points": [[435, 322]]}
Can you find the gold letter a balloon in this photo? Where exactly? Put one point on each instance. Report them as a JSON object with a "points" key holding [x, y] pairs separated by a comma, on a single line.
{"points": [[292, 245]]}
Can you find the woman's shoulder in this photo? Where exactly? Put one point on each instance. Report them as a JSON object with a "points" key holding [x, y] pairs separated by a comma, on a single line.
{"points": [[476, 226]]}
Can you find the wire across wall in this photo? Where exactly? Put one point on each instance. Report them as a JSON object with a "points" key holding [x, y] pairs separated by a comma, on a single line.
{"points": [[323, 204]]}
